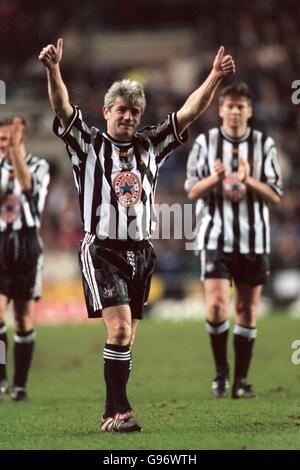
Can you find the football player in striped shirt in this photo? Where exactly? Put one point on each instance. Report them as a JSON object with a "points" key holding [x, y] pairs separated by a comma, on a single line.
{"points": [[23, 187], [233, 174], [116, 174]]}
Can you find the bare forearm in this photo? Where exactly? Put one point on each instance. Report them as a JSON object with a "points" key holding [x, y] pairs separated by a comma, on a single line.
{"points": [[204, 187], [58, 95], [262, 190], [21, 170], [198, 101]]}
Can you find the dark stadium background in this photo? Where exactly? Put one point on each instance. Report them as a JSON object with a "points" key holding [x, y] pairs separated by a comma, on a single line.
{"points": [[169, 46]]}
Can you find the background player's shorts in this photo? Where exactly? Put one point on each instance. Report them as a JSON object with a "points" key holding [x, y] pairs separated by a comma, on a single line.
{"points": [[21, 263], [115, 273], [251, 269]]}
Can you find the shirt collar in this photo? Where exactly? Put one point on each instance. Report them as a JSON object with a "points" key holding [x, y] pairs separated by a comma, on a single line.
{"points": [[118, 143], [232, 139]]}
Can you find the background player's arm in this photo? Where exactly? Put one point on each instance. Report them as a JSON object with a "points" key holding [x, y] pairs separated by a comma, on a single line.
{"points": [[261, 189], [17, 157], [50, 57], [199, 101], [206, 185]]}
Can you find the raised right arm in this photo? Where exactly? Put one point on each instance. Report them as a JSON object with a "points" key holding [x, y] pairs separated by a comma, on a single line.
{"points": [[50, 57]]}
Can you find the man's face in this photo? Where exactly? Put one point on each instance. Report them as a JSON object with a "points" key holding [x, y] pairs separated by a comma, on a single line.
{"points": [[235, 112], [5, 134], [122, 119]]}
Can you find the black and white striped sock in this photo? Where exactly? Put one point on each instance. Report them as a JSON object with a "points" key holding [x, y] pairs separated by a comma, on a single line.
{"points": [[23, 351], [218, 333], [243, 342], [117, 363]]}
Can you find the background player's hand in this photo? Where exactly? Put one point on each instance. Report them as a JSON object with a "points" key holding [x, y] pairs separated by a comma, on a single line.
{"points": [[51, 55], [17, 134], [219, 169], [243, 170], [223, 64]]}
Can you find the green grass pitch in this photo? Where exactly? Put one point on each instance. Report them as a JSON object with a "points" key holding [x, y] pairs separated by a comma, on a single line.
{"points": [[169, 389]]}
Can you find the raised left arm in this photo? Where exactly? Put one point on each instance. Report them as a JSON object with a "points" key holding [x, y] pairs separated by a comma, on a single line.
{"points": [[17, 155], [201, 98]]}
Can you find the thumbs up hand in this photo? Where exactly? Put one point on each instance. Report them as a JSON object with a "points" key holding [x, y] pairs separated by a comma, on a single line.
{"points": [[223, 64], [51, 55]]}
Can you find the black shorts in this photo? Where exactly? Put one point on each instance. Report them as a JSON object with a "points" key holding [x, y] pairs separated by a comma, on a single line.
{"points": [[251, 269], [21, 263], [115, 273]]}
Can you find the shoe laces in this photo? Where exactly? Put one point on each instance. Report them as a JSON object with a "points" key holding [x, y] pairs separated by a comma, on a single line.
{"points": [[124, 416]]}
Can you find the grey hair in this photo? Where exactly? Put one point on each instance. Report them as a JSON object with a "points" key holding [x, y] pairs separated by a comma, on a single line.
{"points": [[130, 90]]}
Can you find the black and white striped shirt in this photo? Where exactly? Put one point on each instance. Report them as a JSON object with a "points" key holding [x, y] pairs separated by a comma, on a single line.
{"points": [[116, 181], [223, 224], [20, 209]]}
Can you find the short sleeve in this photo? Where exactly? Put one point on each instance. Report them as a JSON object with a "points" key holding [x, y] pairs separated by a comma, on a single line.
{"points": [[164, 138], [40, 183], [271, 169], [76, 136], [196, 162]]}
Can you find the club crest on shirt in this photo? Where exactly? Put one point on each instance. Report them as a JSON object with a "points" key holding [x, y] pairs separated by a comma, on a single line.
{"points": [[127, 187], [10, 209]]}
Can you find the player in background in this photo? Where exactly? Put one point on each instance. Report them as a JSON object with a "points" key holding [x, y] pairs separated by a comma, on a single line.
{"points": [[116, 174], [233, 174], [24, 181]]}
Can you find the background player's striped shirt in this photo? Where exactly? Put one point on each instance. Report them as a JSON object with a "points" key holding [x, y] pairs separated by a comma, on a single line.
{"points": [[20, 209], [116, 181], [222, 224]]}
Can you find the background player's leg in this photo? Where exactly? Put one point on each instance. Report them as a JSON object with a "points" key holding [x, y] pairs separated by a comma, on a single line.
{"points": [[3, 337], [117, 358], [246, 301], [23, 346], [217, 293]]}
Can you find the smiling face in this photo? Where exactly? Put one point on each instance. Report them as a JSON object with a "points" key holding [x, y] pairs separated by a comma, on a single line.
{"points": [[122, 119], [235, 113], [5, 135]]}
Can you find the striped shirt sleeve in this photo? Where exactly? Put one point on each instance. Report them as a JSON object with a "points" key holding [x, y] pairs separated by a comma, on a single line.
{"points": [[271, 169], [196, 163], [40, 182], [76, 136], [164, 138]]}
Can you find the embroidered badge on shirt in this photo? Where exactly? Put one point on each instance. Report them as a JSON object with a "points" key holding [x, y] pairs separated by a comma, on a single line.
{"points": [[127, 187], [10, 209]]}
